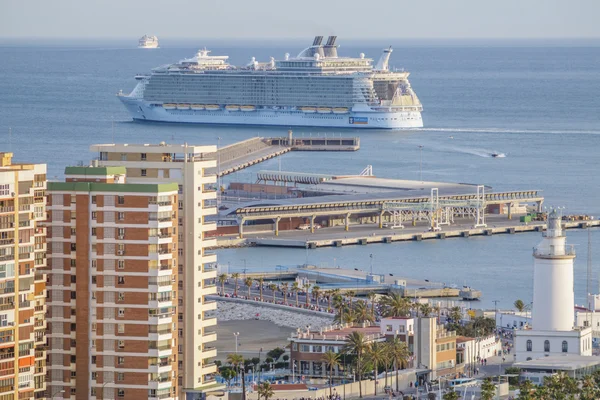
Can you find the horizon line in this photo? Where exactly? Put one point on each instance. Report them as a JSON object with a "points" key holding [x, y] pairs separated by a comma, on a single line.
{"points": [[280, 38]]}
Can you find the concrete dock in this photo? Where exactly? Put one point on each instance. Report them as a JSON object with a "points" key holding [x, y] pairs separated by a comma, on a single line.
{"points": [[371, 233], [244, 154]]}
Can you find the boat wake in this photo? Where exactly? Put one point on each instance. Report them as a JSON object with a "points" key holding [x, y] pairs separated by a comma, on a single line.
{"points": [[486, 153], [499, 130]]}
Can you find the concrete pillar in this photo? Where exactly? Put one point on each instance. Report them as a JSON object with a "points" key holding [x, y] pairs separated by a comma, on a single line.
{"points": [[540, 206], [347, 228], [381, 219], [241, 228], [277, 226], [312, 223], [509, 210]]}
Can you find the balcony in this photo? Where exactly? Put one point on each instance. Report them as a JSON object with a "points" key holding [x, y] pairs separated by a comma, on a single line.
{"points": [[5, 242]]}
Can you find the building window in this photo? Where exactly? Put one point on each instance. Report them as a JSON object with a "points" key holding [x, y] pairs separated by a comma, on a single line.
{"points": [[93, 199], [121, 344], [120, 376], [144, 172], [121, 264], [547, 346], [120, 329], [121, 392], [121, 296], [123, 156], [565, 346], [121, 233], [295, 346], [121, 216], [529, 345], [120, 199], [93, 231], [121, 280], [305, 348], [94, 214], [143, 156], [121, 360], [388, 328], [73, 247]]}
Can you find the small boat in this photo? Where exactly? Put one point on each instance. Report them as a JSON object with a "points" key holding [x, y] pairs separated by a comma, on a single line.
{"points": [[169, 106], [248, 108], [183, 106], [340, 110], [232, 108], [324, 110], [309, 110], [197, 106], [212, 107], [498, 155]]}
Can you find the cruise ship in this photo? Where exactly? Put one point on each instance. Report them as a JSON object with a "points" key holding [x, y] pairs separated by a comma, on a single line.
{"points": [[317, 88], [148, 42]]}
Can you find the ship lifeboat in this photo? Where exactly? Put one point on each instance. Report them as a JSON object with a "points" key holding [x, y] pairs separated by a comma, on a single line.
{"points": [[183, 106], [309, 110], [340, 110], [212, 107], [323, 110], [248, 108], [232, 108], [169, 106], [197, 106]]}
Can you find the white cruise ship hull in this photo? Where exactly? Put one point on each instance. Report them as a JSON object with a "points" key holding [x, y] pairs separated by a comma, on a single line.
{"points": [[142, 111]]}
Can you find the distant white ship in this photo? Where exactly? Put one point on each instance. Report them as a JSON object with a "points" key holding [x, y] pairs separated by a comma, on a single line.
{"points": [[316, 88], [148, 42]]}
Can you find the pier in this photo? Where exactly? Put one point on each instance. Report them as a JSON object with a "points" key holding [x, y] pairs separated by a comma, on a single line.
{"points": [[244, 154]]}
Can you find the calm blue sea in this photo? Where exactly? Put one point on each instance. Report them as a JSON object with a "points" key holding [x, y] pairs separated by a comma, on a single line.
{"points": [[537, 102]]}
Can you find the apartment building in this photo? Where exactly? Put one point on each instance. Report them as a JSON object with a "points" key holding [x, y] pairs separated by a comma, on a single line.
{"points": [[112, 308], [22, 281], [307, 348], [435, 348], [187, 167]]}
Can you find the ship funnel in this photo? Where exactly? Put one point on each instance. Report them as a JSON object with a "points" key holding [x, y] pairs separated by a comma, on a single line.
{"points": [[318, 40], [330, 49], [383, 63]]}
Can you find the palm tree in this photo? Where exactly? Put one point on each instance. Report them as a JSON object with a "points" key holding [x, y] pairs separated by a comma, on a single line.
{"points": [[350, 294], [273, 287], [261, 282], [455, 314], [526, 390], [248, 282], [265, 390], [222, 278], [235, 276], [237, 361], [436, 308], [307, 286], [285, 289], [519, 305], [376, 354], [451, 395], [589, 391], [362, 312], [394, 305], [295, 289], [398, 351], [416, 306], [488, 389], [316, 293], [372, 296], [425, 309], [357, 345], [332, 360], [338, 305]]}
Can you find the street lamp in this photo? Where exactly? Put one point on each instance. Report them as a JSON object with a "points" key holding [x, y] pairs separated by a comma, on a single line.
{"points": [[371, 257], [236, 334]]}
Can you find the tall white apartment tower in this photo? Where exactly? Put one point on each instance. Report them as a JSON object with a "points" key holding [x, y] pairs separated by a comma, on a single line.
{"points": [[186, 165], [553, 315]]}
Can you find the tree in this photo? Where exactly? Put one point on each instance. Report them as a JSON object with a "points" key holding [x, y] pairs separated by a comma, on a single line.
{"points": [[295, 289], [273, 288], [519, 305], [488, 389], [237, 360], [275, 353], [371, 296], [436, 309], [228, 374], [399, 354], [328, 294], [426, 309], [526, 390], [376, 354], [265, 391], [513, 380], [306, 288], [332, 360], [222, 278], [316, 292], [235, 276], [362, 312], [455, 314], [394, 305], [589, 390], [350, 294], [285, 289], [248, 282], [339, 304], [357, 345], [261, 282], [451, 395]]}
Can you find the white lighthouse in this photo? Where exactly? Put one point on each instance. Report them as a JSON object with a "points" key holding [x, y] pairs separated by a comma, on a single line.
{"points": [[553, 313]]}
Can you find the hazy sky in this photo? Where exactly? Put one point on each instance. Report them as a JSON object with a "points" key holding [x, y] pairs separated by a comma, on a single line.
{"points": [[301, 18]]}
